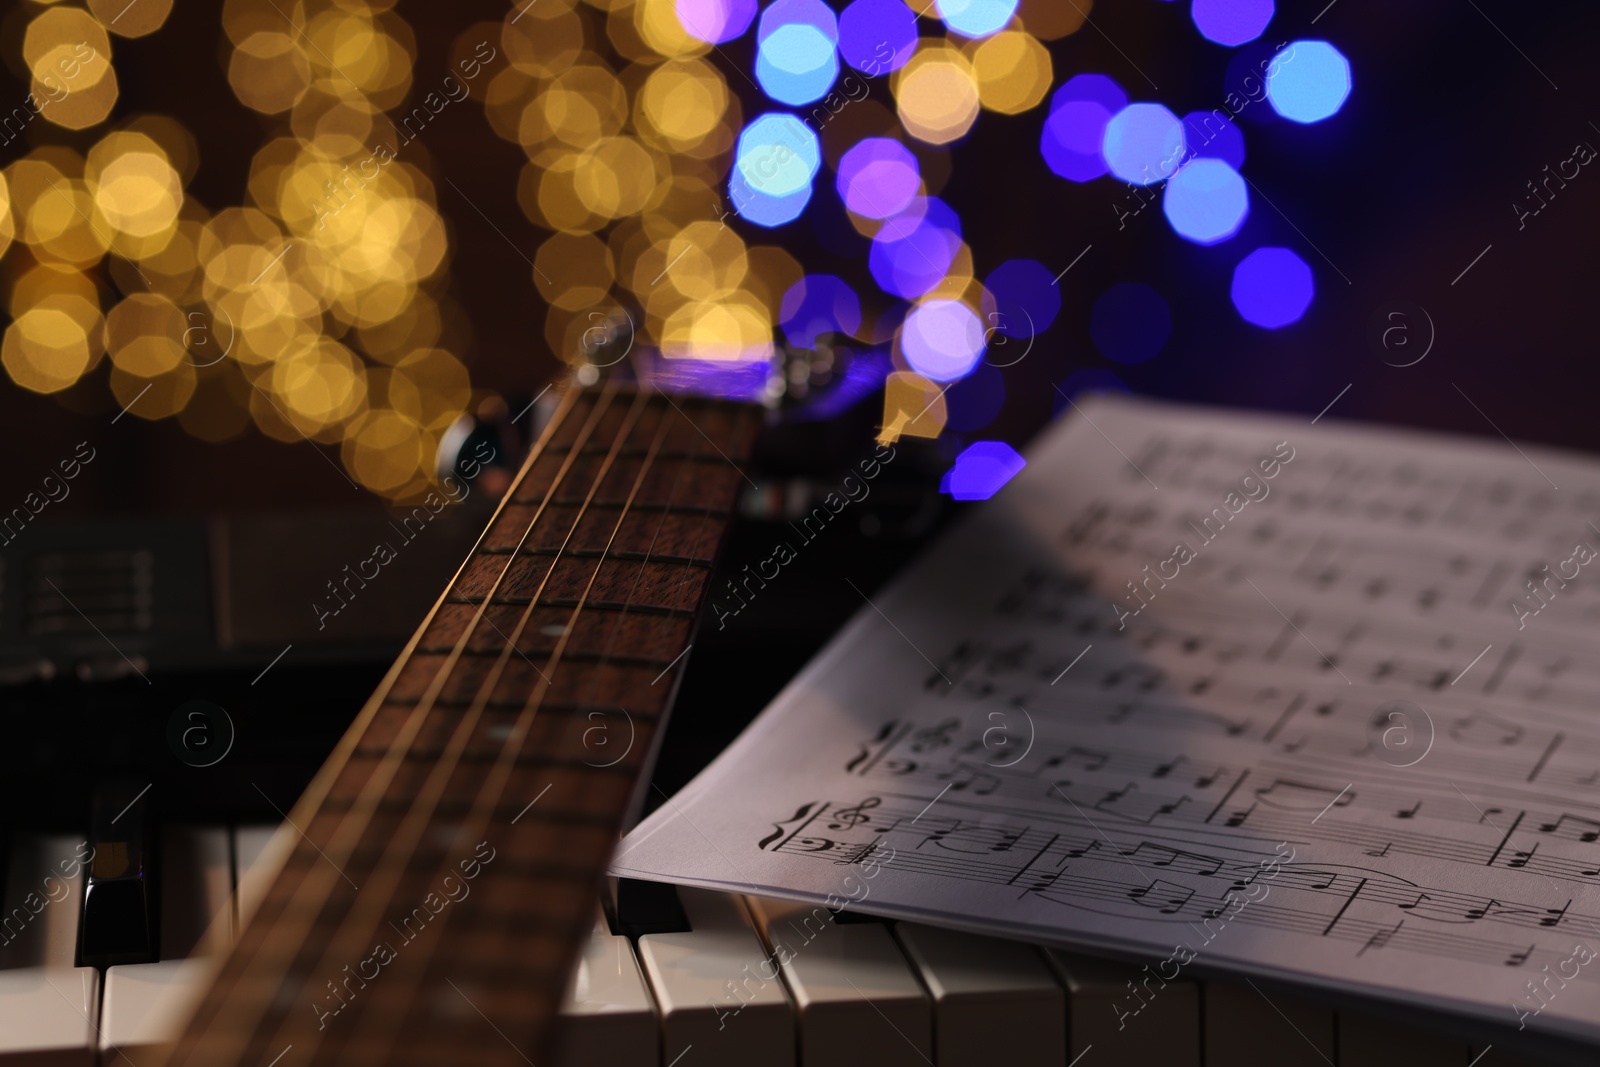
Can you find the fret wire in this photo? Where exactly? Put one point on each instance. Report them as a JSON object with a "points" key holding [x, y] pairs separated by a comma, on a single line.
{"points": [[384, 879], [319, 881], [491, 793]]}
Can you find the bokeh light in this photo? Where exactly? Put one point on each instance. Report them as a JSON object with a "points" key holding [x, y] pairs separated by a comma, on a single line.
{"points": [[818, 304], [981, 470], [1143, 144], [1231, 22], [1206, 201], [715, 21], [796, 63], [877, 36], [1130, 323], [778, 155], [936, 94], [1024, 297], [1213, 135], [976, 18], [1075, 131], [1310, 82], [1013, 71], [1272, 287], [878, 177], [914, 250], [942, 339]]}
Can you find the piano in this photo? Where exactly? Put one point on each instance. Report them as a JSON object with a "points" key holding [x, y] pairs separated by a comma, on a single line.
{"points": [[121, 900]]}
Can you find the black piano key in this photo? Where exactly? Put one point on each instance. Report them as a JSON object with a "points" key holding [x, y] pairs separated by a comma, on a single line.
{"points": [[648, 908], [120, 921]]}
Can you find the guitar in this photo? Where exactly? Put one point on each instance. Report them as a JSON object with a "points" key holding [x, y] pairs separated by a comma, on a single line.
{"points": [[440, 872]]}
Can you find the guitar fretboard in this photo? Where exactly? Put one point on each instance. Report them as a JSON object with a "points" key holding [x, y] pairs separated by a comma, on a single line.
{"points": [[447, 856]]}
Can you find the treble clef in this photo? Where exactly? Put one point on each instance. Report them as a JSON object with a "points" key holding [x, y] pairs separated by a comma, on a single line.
{"points": [[850, 818]]}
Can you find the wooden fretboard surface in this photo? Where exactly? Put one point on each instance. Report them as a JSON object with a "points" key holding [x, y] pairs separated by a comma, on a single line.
{"points": [[493, 748]]}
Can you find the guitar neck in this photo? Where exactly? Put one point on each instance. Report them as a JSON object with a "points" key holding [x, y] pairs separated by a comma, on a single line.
{"points": [[444, 863]]}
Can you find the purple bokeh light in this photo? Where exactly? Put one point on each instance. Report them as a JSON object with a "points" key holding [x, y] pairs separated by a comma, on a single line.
{"points": [[877, 36], [878, 177]]}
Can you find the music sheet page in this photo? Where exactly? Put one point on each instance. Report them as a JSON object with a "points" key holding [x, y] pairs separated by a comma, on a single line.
{"points": [[1212, 689]]}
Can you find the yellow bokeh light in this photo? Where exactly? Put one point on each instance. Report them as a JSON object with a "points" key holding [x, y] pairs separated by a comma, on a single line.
{"points": [[936, 94], [60, 226], [8, 228], [659, 26], [615, 177], [65, 27], [145, 334], [269, 72], [573, 271], [1013, 71], [733, 327], [430, 387], [45, 350], [137, 192], [546, 41], [681, 104], [912, 406], [319, 385], [1050, 20], [131, 18], [384, 451], [154, 398]]}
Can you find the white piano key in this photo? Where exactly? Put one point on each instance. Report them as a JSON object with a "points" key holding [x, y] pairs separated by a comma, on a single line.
{"points": [[718, 992], [1158, 1024], [47, 1004], [1266, 1028], [258, 853], [858, 998], [984, 988], [1370, 1042], [607, 1015], [146, 1004]]}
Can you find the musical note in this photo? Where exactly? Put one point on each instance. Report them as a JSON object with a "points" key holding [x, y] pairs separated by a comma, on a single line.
{"points": [[980, 783], [1573, 827], [1166, 897], [1409, 813], [1167, 768], [1381, 938], [1520, 858]]}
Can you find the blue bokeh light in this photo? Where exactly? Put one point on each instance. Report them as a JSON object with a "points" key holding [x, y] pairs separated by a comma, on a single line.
{"points": [[1076, 127], [1231, 22], [976, 18], [819, 304], [796, 64], [981, 470], [1024, 297], [764, 209], [1143, 144], [1206, 201], [778, 155], [877, 36], [1309, 82], [1272, 287], [1130, 322], [942, 339], [1213, 135]]}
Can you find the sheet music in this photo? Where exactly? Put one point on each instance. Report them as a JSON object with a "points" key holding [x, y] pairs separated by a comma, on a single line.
{"points": [[1311, 702]]}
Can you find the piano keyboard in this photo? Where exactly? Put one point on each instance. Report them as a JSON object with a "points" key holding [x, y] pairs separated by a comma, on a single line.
{"points": [[750, 981]]}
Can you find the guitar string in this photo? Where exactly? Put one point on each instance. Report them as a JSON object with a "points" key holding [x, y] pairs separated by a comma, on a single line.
{"points": [[351, 935], [425, 959], [268, 912], [379, 1018], [227, 1021]]}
